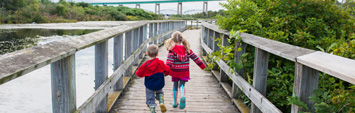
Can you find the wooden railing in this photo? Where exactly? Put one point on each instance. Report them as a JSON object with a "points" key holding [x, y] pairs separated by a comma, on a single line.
{"points": [[196, 24], [61, 56], [308, 64]]}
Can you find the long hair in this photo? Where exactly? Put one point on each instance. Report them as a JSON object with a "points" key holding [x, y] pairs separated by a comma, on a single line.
{"points": [[177, 37]]}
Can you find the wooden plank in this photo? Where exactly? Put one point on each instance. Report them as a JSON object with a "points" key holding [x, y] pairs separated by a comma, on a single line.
{"points": [[257, 98], [63, 85], [18, 63], [101, 72], [260, 74], [283, 50], [306, 80], [340, 67]]}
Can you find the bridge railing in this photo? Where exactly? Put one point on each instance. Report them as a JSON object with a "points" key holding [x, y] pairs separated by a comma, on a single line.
{"points": [[308, 64], [196, 24], [61, 57]]}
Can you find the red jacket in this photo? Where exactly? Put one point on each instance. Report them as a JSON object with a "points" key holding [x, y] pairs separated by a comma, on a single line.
{"points": [[179, 60], [153, 70]]}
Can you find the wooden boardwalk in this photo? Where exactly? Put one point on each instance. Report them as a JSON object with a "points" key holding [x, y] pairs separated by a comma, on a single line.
{"points": [[203, 92]]}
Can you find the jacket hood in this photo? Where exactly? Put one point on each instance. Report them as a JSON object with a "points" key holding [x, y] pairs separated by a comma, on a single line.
{"points": [[181, 53], [152, 64]]}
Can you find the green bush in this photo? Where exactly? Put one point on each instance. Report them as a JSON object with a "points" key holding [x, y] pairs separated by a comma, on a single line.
{"points": [[312, 24]]}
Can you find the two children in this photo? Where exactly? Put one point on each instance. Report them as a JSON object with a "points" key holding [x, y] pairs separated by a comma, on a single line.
{"points": [[177, 66]]}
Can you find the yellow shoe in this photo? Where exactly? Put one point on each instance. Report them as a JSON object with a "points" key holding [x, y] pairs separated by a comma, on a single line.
{"points": [[161, 102]]}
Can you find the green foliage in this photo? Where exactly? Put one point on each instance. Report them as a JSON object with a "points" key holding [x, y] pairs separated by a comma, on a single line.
{"points": [[313, 24], [44, 11]]}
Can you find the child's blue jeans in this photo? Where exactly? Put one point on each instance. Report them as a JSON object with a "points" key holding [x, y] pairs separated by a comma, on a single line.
{"points": [[151, 95]]}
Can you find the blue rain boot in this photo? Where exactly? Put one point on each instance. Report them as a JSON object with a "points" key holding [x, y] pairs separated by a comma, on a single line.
{"points": [[152, 109], [175, 97], [182, 99], [161, 103]]}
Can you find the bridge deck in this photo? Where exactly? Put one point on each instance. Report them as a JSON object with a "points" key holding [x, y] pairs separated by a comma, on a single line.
{"points": [[203, 93]]}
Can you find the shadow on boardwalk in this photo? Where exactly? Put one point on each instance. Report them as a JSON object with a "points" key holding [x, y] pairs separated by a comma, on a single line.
{"points": [[203, 93]]}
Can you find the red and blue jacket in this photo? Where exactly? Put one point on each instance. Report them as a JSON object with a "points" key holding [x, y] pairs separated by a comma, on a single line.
{"points": [[153, 70]]}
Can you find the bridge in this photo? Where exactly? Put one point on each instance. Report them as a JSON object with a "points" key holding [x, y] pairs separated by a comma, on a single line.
{"points": [[208, 91], [157, 4]]}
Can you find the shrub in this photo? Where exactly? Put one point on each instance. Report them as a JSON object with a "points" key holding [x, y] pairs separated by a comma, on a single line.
{"points": [[312, 24]]}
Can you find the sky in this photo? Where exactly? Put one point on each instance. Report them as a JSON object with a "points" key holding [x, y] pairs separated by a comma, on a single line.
{"points": [[166, 8]]}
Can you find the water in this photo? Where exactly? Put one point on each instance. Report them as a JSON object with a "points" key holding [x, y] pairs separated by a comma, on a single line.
{"points": [[31, 93], [17, 39]]}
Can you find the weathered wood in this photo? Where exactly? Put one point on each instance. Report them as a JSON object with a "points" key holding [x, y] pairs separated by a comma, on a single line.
{"points": [[258, 99], [260, 74], [238, 58], [128, 49], [306, 80], [18, 63], [215, 42], [101, 72], [135, 44], [210, 38], [63, 85], [118, 59], [224, 76], [283, 50], [340, 67]]}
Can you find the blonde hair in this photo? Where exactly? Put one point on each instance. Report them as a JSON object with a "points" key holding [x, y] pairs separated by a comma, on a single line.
{"points": [[152, 50], [177, 37]]}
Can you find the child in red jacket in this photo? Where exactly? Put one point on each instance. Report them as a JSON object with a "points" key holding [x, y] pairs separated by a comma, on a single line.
{"points": [[179, 60], [153, 70]]}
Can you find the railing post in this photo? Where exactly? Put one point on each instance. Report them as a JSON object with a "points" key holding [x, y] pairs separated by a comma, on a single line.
{"points": [[63, 85], [191, 25], [141, 39], [151, 32], [145, 31], [101, 72], [238, 59], [260, 74], [215, 46], [196, 24], [306, 80], [211, 35], [128, 50], [136, 44], [155, 31], [117, 59], [204, 38]]}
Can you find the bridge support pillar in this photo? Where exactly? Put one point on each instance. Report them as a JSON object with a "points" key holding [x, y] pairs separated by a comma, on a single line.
{"points": [[157, 9], [138, 5], [179, 8], [205, 7]]}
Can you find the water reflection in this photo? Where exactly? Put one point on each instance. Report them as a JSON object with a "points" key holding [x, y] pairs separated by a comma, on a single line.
{"points": [[17, 39]]}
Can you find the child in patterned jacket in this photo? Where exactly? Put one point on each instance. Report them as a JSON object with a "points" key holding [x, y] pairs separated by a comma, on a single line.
{"points": [[179, 60]]}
